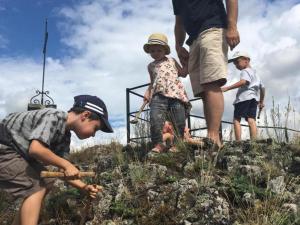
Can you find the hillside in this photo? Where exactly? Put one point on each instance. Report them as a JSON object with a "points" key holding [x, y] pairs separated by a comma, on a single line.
{"points": [[253, 183]]}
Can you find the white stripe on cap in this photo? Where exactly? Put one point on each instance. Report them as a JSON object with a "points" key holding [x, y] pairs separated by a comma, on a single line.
{"points": [[94, 107], [157, 41]]}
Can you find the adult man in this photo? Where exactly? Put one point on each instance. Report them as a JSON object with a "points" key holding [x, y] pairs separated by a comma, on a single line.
{"points": [[210, 32]]}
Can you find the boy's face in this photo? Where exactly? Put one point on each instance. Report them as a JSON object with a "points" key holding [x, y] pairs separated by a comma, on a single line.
{"points": [[241, 63], [86, 127], [157, 52]]}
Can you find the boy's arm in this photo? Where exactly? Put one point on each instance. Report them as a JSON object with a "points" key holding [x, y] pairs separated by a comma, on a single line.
{"points": [[180, 34], [235, 85], [232, 34], [182, 71], [262, 97], [90, 189], [38, 151]]}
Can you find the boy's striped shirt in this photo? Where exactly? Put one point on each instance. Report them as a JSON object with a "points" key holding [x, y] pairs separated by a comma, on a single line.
{"points": [[46, 125]]}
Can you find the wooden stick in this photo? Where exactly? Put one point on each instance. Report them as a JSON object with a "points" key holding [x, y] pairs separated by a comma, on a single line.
{"points": [[61, 174], [259, 112], [137, 115]]}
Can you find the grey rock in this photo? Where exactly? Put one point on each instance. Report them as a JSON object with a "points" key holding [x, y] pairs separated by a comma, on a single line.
{"points": [[250, 170], [291, 207], [277, 185]]}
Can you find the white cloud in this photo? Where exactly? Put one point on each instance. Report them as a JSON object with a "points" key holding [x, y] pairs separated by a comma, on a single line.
{"points": [[104, 39]]}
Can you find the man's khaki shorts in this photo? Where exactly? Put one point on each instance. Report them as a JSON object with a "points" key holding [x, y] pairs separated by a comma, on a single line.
{"points": [[208, 60]]}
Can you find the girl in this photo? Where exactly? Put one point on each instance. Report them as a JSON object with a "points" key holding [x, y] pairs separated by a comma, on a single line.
{"points": [[166, 93]]}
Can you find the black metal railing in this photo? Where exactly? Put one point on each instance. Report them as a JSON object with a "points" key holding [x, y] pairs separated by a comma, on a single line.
{"points": [[131, 114]]}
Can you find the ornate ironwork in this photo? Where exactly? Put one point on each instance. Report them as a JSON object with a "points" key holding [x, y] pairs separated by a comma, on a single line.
{"points": [[45, 100], [35, 99]]}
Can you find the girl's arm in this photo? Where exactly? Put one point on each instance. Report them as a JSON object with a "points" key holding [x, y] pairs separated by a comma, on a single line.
{"points": [[148, 93], [182, 71]]}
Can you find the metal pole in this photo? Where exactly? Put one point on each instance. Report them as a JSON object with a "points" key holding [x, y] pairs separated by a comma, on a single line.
{"points": [[286, 135], [220, 132], [44, 63], [189, 120], [128, 114]]}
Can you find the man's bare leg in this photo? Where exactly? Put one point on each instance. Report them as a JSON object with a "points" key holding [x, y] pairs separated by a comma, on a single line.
{"points": [[30, 209], [213, 103], [237, 129], [252, 128]]}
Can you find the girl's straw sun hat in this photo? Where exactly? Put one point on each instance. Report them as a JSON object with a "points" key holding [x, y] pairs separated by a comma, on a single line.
{"points": [[157, 39]]}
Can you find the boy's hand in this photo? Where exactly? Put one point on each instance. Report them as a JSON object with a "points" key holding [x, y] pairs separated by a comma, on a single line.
{"points": [[92, 190], [224, 89], [71, 171], [261, 105]]}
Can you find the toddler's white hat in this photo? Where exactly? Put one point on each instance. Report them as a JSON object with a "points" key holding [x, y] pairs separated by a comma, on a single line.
{"points": [[238, 55]]}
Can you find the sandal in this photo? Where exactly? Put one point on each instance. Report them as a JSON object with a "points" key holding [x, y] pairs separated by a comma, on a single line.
{"points": [[158, 149], [173, 149]]}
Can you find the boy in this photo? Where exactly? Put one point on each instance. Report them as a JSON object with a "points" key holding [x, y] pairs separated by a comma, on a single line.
{"points": [[30, 140], [247, 99]]}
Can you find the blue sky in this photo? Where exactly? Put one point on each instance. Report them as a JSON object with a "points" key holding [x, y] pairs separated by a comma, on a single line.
{"points": [[95, 47], [22, 26]]}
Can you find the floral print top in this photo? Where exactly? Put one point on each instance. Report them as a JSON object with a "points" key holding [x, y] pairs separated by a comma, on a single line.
{"points": [[165, 80]]}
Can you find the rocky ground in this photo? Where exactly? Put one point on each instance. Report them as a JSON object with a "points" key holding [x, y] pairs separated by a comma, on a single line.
{"points": [[246, 183]]}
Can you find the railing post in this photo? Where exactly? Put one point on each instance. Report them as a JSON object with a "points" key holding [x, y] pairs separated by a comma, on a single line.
{"points": [[220, 132], [128, 114], [189, 120], [286, 135]]}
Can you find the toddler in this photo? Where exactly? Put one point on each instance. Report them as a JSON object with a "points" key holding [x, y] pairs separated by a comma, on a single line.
{"points": [[166, 93]]}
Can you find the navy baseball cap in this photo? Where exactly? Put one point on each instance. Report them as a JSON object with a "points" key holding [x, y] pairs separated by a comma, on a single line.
{"points": [[96, 105]]}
